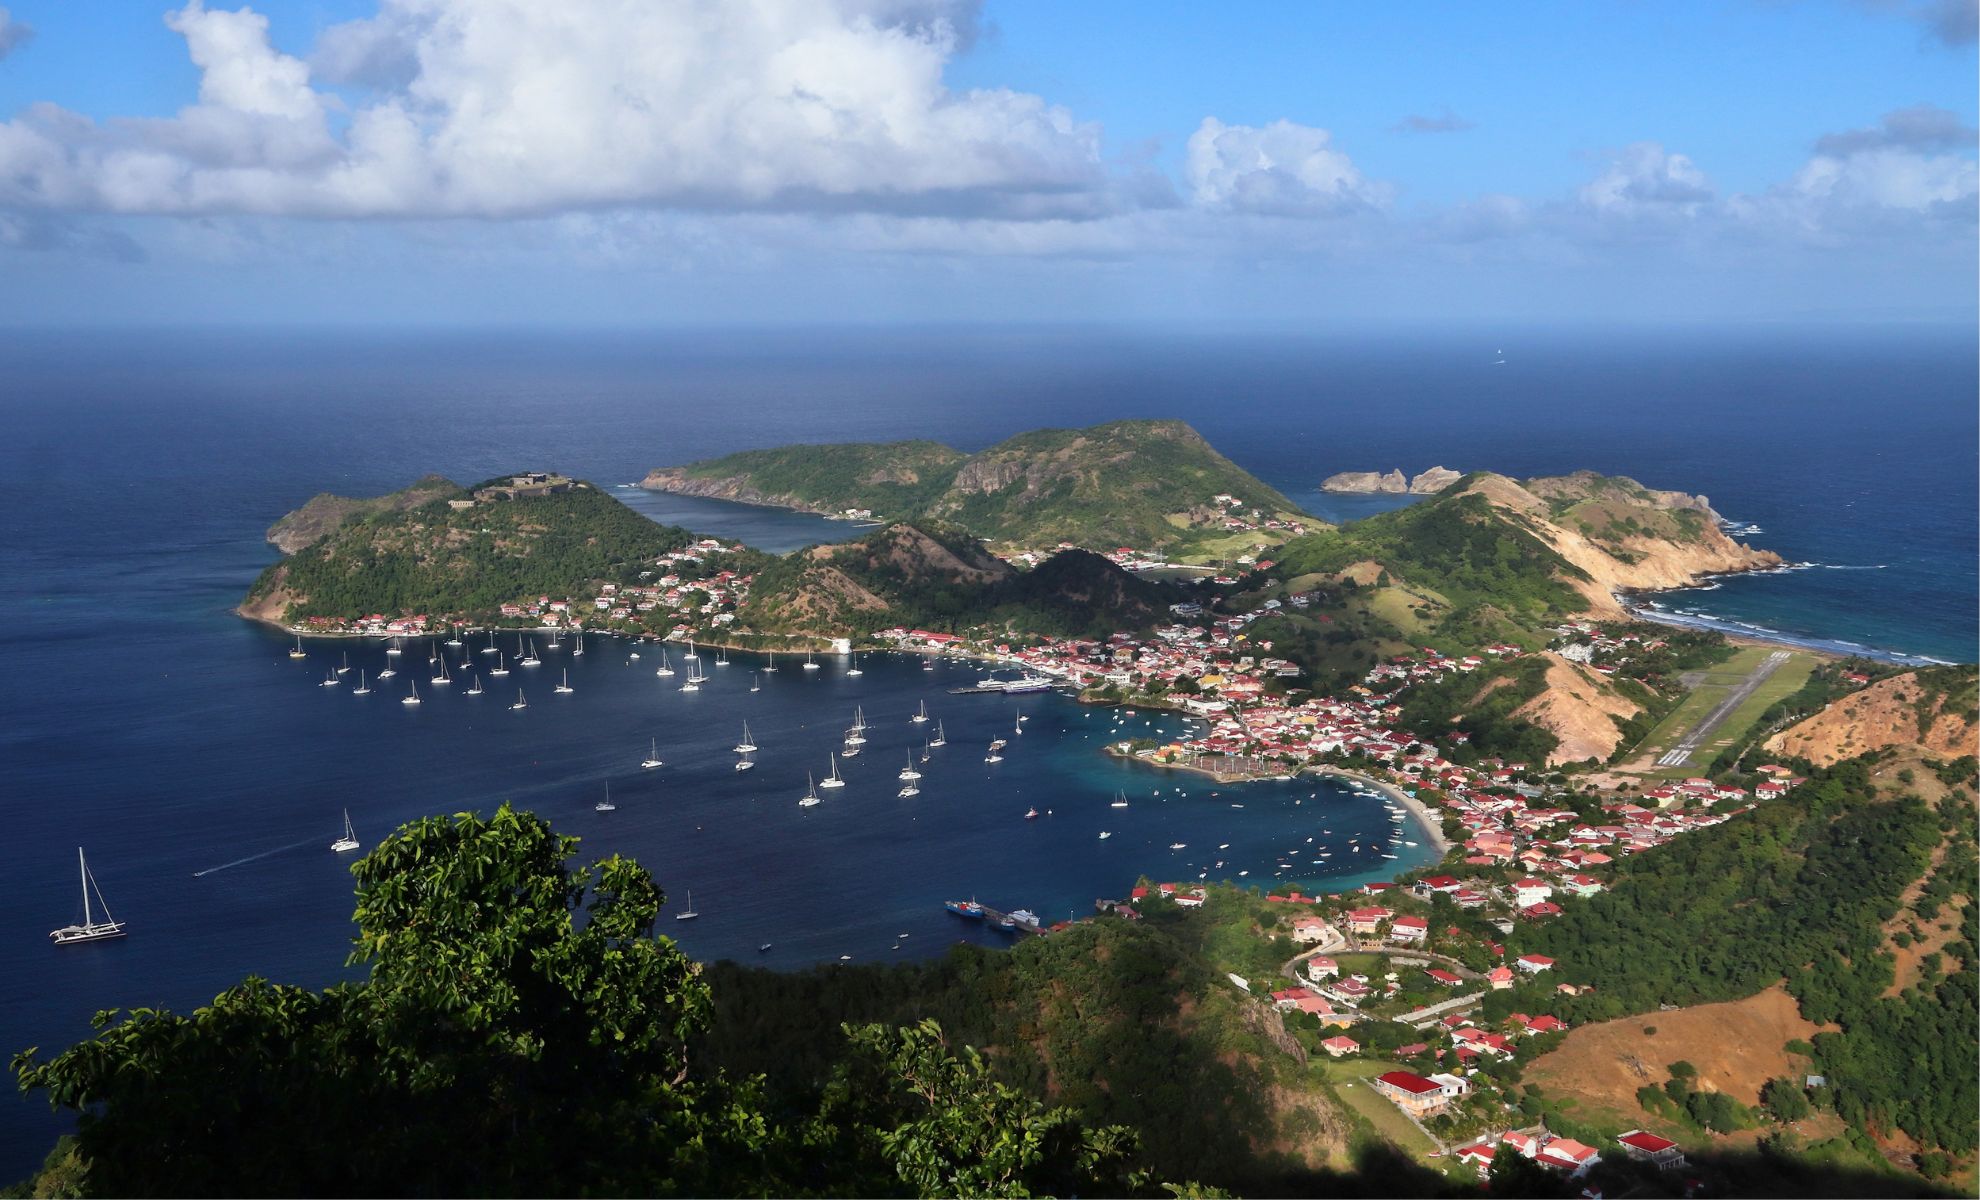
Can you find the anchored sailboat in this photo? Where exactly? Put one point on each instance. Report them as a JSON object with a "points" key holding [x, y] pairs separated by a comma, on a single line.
{"points": [[652, 758], [940, 738], [688, 913], [476, 689], [413, 698], [520, 702], [297, 650], [361, 689], [833, 780], [746, 746], [921, 717], [854, 669], [606, 804], [91, 929], [664, 670], [564, 688], [810, 792], [349, 840]]}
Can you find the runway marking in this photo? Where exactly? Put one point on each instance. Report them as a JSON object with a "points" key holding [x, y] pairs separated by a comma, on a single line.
{"points": [[1680, 754]]}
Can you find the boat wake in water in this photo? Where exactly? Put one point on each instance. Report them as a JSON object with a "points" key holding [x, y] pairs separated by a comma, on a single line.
{"points": [[255, 857]]}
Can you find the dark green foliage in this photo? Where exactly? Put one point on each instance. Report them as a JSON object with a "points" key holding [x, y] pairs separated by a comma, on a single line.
{"points": [[893, 479], [1462, 547], [1109, 485], [1785, 1100], [469, 562], [1799, 890], [1434, 709], [523, 1032], [942, 579]]}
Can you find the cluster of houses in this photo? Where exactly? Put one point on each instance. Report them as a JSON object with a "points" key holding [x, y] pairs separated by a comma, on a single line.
{"points": [[1566, 1155]]}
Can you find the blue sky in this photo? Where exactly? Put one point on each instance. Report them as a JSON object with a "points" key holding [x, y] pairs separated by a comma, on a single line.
{"points": [[447, 161]]}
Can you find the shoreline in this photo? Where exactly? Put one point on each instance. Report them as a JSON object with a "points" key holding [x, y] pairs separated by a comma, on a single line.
{"points": [[1425, 817], [1640, 606]]}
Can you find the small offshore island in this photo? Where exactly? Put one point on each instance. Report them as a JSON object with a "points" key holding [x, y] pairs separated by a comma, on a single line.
{"points": [[1650, 843]]}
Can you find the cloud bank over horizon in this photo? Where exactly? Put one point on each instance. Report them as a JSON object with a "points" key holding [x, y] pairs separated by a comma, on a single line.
{"points": [[786, 134]]}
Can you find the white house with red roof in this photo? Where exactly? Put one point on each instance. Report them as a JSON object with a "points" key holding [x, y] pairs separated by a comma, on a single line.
{"points": [[1533, 964], [1645, 1146]]}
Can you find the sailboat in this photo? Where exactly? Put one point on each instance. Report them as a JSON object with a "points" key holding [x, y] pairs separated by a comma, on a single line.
{"points": [[652, 758], [440, 678], [694, 679], [297, 651], [745, 764], [529, 658], [992, 755], [349, 840], [663, 670], [388, 672], [810, 792], [346, 668], [490, 648], [690, 656], [554, 643], [501, 665], [564, 688], [476, 689], [746, 746], [606, 804], [721, 656], [854, 669], [330, 679], [1120, 800], [361, 689], [688, 913], [456, 639], [91, 929], [520, 702], [859, 719], [395, 649], [771, 666], [908, 772], [921, 717], [810, 664], [833, 780], [413, 698], [908, 790], [432, 653], [940, 738], [854, 736], [756, 682]]}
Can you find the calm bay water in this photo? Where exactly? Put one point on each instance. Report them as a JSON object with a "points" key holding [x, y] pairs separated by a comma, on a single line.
{"points": [[145, 722]]}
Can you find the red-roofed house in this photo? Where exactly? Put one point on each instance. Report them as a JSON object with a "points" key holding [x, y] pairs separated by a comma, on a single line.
{"points": [[1533, 964], [1479, 1156], [1444, 977], [1367, 920], [1307, 930], [1412, 1093], [1648, 1147], [1500, 978], [1340, 1044], [1321, 967]]}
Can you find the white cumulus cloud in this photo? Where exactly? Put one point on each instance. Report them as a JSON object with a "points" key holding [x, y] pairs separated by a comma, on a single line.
{"points": [[1281, 169], [511, 107], [1644, 179]]}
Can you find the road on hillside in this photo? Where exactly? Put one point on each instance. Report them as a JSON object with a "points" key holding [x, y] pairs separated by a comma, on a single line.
{"points": [[1680, 754]]}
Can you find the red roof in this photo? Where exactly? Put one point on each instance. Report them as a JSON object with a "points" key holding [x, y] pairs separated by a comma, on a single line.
{"points": [[1412, 1083], [1649, 1143]]}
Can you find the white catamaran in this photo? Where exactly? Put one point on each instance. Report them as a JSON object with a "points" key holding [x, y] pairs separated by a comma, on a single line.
{"points": [[748, 744], [91, 929], [606, 804], [349, 840], [564, 688], [833, 780], [652, 758]]}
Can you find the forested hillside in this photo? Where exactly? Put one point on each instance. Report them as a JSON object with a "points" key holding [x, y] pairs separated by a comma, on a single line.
{"points": [[438, 559], [1801, 889]]}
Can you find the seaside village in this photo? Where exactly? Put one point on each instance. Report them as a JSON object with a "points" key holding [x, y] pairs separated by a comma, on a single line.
{"points": [[1392, 971]]}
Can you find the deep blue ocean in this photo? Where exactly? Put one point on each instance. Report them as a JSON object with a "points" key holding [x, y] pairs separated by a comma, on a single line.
{"points": [[144, 722]]}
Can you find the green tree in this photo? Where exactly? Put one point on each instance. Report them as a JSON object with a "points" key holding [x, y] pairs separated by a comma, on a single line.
{"points": [[1785, 1100]]}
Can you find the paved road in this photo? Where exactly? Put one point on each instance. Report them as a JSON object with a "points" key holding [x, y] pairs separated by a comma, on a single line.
{"points": [[1680, 754], [1428, 1016]]}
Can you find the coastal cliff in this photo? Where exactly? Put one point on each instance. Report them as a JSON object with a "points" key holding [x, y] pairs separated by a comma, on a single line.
{"points": [[326, 511], [1620, 535]]}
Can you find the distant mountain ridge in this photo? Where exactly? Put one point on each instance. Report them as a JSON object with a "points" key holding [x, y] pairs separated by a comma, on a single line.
{"points": [[1147, 484]]}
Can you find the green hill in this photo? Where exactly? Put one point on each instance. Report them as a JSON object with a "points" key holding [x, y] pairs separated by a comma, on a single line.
{"points": [[943, 579], [325, 511], [453, 557], [1146, 484]]}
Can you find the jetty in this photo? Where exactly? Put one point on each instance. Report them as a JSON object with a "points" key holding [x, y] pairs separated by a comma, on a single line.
{"points": [[995, 919]]}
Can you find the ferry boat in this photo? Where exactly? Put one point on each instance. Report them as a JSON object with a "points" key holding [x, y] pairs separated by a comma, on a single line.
{"points": [[965, 908]]}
